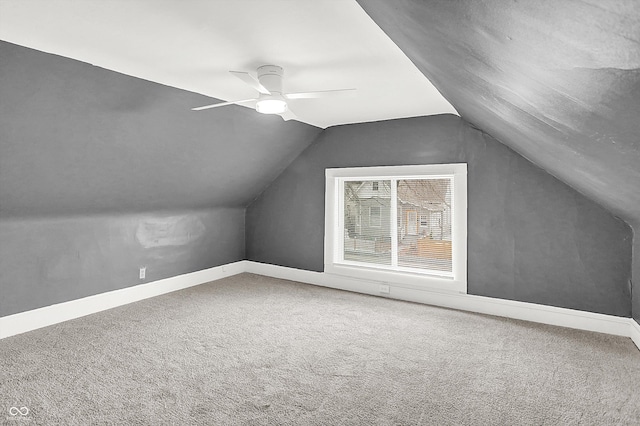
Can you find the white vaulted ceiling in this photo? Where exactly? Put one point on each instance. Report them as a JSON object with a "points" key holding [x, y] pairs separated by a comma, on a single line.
{"points": [[321, 44]]}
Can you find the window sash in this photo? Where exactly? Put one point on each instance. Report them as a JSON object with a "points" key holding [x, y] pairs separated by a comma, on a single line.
{"points": [[394, 266]]}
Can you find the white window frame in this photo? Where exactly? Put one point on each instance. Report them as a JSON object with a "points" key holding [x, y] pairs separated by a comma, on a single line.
{"points": [[455, 281]]}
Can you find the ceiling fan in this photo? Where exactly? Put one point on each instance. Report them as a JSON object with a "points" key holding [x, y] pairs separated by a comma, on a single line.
{"points": [[271, 98]]}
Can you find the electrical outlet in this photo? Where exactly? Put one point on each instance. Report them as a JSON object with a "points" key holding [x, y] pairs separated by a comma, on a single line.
{"points": [[384, 289], [143, 272]]}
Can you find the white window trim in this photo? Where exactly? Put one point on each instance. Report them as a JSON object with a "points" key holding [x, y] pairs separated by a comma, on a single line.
{"points": [[334, 234]]}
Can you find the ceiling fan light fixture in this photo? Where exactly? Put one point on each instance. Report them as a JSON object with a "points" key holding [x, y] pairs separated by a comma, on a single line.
{"points": [[271, 97], [271, 106]]}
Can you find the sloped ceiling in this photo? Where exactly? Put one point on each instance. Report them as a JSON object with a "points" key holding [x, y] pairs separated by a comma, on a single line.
{"points": [[556, 80], [77, 139], [321, 44]]}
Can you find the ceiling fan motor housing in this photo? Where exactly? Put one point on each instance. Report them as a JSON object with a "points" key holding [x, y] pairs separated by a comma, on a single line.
{"points": [[270, 76]]}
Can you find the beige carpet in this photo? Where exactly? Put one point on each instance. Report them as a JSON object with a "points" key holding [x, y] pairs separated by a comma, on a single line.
{"points": [[260, 351]]}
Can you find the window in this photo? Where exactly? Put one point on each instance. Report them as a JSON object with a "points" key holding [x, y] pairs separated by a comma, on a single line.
{"points": [[415, 234]]}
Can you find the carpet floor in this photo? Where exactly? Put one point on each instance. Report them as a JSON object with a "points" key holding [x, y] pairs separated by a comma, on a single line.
{"points": [[252, 350]]}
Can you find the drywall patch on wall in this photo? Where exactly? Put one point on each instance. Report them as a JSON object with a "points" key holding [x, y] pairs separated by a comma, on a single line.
{"points": [[169, 231], [531, 238]]}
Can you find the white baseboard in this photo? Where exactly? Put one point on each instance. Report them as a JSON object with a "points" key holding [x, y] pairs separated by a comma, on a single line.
{"points": [[37, 318], [544, 314], [635, 332], [49, 315]]}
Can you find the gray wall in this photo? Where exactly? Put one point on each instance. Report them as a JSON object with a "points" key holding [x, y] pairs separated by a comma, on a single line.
{"points": [[50, 260], [491, 59], [91, 161], [635, 307], [541, 78], [531, 237], [77, 139]]}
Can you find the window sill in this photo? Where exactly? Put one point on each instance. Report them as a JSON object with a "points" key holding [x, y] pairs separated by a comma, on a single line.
{"points": [[399, 279]]}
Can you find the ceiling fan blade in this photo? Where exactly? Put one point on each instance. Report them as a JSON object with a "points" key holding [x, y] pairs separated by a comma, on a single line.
{"points": [[322, 94], [288, 115], [251, 81], [221, 104]]}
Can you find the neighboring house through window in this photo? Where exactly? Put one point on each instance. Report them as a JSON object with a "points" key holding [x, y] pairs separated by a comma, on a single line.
{"points": [[374, 216]]}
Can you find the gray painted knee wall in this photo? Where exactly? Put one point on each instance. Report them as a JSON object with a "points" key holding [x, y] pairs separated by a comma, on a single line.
{"points": [[635, 275], [530, 237], [49, 260]]}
